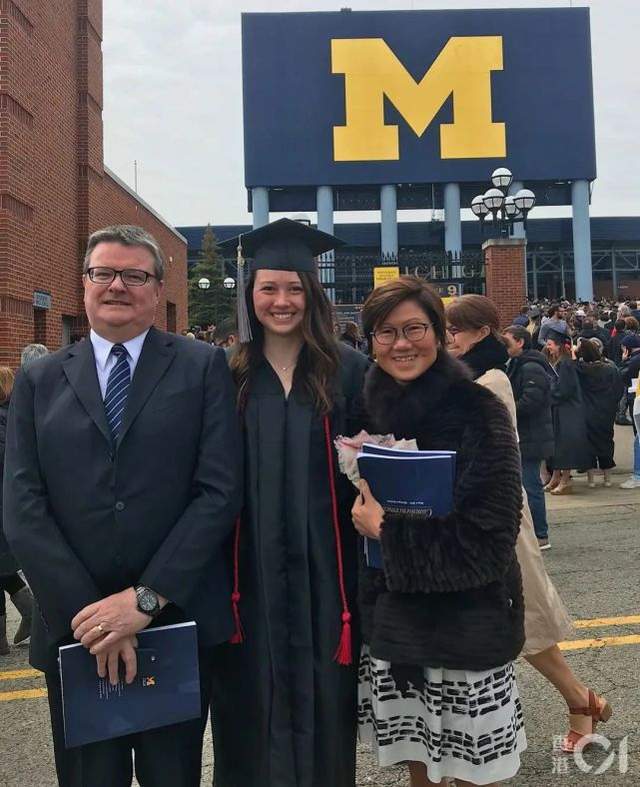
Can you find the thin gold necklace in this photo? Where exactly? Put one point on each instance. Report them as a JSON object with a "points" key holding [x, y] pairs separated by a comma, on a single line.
{"points": [[286, 368]]}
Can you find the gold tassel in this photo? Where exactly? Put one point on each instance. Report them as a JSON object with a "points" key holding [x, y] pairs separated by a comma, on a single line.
{"points": [[244, 326]]}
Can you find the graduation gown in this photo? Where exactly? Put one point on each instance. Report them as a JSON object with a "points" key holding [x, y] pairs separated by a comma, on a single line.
{"points": [[601, 387], [569, 424], [284, 712]]}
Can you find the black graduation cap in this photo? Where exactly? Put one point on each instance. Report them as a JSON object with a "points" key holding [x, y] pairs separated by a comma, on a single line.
{"points": [[282, 245], [559, 337]]}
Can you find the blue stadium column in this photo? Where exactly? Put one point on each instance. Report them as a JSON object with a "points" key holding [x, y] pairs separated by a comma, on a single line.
{"points": [[614, 274], [388, 220], [452, 224], [327, 267], [260, 206], [582, 240], [519, 232], [518, 228], [324, 206]]}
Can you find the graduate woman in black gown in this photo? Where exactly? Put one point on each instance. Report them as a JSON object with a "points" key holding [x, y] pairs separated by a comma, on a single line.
{"points": [[284, 714]]}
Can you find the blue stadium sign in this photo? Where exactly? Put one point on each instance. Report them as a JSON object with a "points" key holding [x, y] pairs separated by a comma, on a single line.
{"points": [[417, 96]]}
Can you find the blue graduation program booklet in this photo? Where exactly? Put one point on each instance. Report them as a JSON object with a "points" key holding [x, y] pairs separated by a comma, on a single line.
{"points": [[407, 482], [166, 689]]}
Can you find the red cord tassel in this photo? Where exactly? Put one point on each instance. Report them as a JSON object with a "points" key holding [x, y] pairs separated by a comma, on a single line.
{"points": [[343, 654], [238, 634]]}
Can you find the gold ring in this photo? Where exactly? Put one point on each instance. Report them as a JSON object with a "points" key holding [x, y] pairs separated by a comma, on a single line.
{"points": [[100, 628]]}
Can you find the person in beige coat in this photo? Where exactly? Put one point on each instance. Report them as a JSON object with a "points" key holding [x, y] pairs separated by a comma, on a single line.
{"points": [[473, 326]]}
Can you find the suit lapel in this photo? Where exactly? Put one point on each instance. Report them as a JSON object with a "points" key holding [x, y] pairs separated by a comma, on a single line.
{"points": [[80, 370], [156, 357]]}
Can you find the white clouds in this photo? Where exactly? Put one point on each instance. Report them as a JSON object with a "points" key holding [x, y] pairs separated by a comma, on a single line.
{"points": [[173, 99]]}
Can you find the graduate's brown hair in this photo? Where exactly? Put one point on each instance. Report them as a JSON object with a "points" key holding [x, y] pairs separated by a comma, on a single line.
{"points": [[318, 363], [588, 351]]}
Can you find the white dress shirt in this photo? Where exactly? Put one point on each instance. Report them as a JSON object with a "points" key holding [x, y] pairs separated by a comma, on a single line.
{"points": [[105, 361]]}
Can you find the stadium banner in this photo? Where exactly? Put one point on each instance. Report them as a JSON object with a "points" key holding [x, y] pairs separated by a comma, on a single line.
{"points": [[354, 98]]}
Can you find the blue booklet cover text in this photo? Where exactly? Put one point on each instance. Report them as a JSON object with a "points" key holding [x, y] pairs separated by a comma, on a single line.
{"points": [[407, 482], [166, 689]]}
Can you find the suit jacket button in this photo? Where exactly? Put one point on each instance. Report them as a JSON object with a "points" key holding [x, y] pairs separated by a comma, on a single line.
{"points": [[120, 506]]}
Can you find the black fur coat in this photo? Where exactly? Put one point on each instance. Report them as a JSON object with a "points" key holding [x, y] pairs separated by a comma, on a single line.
{"points": [[451, 593]]}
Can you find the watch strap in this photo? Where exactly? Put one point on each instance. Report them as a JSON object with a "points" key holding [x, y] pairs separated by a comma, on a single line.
{"points": [[139, 589]]}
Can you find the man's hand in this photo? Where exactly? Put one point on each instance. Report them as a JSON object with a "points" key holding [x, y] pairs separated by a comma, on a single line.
{"points": [[367, 514], [109, 660], [100, 625]]}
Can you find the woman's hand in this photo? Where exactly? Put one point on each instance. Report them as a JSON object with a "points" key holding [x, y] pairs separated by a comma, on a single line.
{"points": [[367, 514]]}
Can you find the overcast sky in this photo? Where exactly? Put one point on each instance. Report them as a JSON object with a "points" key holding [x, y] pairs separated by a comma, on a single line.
{"points": [[173, 100]]}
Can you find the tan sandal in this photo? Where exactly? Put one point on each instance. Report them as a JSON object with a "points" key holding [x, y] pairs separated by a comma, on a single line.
{"points": [[599, 710], [562, 489]]}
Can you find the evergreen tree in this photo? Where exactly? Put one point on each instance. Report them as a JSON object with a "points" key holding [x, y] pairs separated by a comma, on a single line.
{"points": [[216, 303]]}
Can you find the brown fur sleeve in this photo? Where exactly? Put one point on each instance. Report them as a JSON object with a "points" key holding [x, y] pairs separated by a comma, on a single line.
{"points": [[473, 545]]}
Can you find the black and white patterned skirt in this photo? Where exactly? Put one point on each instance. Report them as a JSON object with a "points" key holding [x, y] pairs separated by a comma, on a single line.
{"points": [[460, 724]]}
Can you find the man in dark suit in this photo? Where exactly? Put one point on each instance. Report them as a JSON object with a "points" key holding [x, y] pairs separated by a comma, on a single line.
{"points": [[121, 489]]}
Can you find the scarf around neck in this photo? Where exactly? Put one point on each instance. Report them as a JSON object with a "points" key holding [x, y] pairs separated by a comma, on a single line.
{"points": [[490, 353]]}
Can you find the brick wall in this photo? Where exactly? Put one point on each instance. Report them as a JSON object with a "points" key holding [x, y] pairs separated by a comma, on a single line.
{"points": [[505, 275], [54, 189], [117, 205]]}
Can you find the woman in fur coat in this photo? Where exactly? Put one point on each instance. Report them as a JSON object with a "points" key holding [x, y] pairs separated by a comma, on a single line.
{"points": [[443, 620]]}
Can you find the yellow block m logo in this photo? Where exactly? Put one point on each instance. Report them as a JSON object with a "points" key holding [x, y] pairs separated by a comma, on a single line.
{"points": [[372, 71]]}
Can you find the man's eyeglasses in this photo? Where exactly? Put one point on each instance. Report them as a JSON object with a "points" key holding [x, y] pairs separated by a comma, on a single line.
{"points": [[131, 277], [413, 333]]}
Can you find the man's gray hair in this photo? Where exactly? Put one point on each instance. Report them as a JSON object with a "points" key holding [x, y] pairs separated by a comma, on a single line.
{"points": [[127, 235], [31, 353]]}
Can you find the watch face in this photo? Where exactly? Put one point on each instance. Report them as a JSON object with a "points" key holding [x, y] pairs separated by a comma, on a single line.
{"points": [[147, 601]]}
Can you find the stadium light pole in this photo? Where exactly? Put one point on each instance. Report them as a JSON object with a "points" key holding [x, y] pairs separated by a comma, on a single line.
{"points": [[506, 210]]}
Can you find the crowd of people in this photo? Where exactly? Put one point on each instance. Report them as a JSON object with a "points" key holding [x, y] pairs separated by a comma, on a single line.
{"points": [[205, 486], [594, 352]]}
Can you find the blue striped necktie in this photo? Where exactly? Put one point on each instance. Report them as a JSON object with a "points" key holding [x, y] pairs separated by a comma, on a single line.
{"points": [[115, 398]]}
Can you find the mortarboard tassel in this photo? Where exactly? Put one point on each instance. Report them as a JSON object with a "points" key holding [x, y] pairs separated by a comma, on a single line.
{"points": [[238, 634], [343, 654], [244, 326]]}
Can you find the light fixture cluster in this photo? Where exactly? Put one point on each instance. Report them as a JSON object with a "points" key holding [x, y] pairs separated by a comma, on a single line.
{"points": [[228, 283], [505, 209]]}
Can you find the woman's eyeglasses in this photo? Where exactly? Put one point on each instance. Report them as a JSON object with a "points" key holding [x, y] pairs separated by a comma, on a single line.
{"points": [[412, 333]]}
